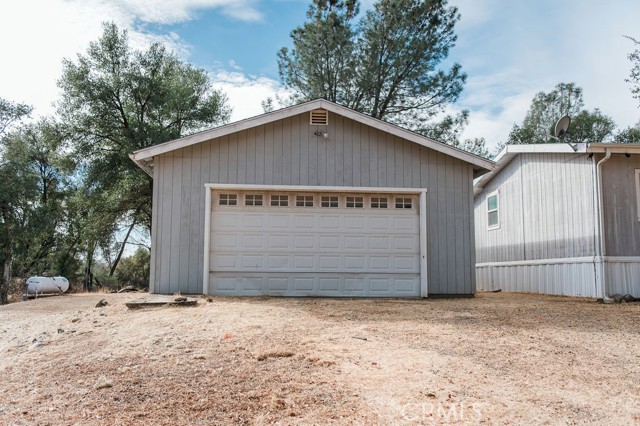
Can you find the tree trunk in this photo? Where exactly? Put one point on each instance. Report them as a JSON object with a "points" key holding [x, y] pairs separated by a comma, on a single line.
{"points": [[124, 244], [6, 255], [4, 282]]}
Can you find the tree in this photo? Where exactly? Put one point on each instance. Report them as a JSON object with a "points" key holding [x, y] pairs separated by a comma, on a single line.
{"points": [[449, 130], [629, 135], [11, 113], [116, 100], [386, 65], [14, 187], [547, 108], [634, 75]]}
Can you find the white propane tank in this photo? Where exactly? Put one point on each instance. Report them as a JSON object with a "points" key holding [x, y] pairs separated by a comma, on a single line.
{"points": [[38, 285]]}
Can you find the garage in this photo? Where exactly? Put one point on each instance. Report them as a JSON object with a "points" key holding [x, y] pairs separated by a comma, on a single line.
{"points": [[314, 199], [292, 243]]}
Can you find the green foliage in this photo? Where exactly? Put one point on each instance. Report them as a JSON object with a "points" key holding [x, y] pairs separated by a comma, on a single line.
{"points": [[386, 65], [11, 113], [116, 100], [547, 108], [628, 135], [134, 270], [634, 75]]}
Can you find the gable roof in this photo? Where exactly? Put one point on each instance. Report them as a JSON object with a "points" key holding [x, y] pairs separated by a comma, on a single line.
{"points": [[144, 157], [509, 152]]}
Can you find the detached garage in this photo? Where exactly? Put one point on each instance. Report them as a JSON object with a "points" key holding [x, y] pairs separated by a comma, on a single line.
{"points": [[312, 200]]}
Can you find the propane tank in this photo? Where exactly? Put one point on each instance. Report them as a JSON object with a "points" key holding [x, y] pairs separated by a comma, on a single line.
{"points": [[38, 285]]}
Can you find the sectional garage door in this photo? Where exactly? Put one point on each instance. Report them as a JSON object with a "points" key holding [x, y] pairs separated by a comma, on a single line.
{"points": [[314, 244]]}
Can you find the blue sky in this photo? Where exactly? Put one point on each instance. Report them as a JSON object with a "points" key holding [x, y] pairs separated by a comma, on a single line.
{"points": [[510, 49]]}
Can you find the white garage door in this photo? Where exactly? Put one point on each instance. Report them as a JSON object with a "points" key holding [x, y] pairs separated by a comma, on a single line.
{"points": [[322, 244]]}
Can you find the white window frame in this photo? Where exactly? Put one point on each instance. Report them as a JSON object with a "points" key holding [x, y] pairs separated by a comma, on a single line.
{"points": [[228, 199], [379, 202], [280, 200], [326, 201], [497, 210], [305, 199], [354, 202], [638, 193], [254, 200], [403, 203]]}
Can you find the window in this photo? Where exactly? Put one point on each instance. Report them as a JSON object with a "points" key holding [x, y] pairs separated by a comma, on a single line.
{"points": [[228, 200], [355, 202], [493, 221], [404, 203], [304, 200], [253, 200], [378, 202], [279, 200], [638, 191], [328, 201]]}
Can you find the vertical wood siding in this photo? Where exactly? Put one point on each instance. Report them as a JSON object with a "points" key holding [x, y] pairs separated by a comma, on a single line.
{"points": [[288, 153], [546, 210], [622, 229]]}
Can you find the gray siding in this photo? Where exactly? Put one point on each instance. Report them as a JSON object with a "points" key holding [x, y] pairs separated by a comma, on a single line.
{"points": [[288, 153], [546, 210], [622, 229]]}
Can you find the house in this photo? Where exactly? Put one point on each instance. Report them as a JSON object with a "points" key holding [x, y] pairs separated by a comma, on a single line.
{"points": [[551, 219], [312, 200]]}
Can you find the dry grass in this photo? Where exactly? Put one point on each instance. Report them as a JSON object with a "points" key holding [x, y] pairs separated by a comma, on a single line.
{"points": [[498, 358]]}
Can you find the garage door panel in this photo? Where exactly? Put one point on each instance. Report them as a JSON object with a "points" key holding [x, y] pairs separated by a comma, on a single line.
{"points": [[306, 251], [301, 262], [303, 284], [331, 284], [296, 284], [278, 221], [253, 221], [354, 242], [305, 222], [330, 242]]}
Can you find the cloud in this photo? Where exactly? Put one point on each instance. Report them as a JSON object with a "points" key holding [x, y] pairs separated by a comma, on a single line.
{"points": [[246, 92], [175, 11], [37, 35]]}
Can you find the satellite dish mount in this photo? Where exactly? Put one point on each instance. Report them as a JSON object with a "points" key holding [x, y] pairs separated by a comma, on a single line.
{"points": [[560, 131]]}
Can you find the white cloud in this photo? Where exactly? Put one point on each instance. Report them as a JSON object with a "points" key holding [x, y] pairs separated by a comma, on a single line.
{"points": [[173, 11], [246, 92], [37, 35]]}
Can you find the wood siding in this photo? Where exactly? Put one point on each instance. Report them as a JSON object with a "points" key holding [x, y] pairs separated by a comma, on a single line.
{"points": [[288, 153], [622, 229], [546, 210]]}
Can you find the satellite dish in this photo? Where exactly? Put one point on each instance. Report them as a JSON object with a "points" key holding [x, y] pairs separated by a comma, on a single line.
{"points": [[561, 126]]}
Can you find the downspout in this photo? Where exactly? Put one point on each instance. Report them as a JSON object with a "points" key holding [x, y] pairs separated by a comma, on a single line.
{"points": [[601, 239]]}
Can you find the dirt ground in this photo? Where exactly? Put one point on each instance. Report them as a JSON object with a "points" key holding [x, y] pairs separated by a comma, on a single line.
{"points": [[493, 359]]}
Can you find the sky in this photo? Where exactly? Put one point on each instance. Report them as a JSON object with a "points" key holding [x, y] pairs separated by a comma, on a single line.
{"points": [[510, 49]]}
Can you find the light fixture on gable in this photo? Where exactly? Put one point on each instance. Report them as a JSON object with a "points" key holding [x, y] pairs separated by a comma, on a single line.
{"points": [[321, 133]]}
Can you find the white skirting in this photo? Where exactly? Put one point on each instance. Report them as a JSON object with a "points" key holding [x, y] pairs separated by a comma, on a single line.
{"points": [[568, 277]]}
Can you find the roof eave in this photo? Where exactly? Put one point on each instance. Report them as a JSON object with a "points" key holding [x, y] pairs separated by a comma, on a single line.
{"points": [[482, 165]]}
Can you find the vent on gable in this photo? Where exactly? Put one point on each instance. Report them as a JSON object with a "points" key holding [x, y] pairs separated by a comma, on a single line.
{"points": [[319, 117]]}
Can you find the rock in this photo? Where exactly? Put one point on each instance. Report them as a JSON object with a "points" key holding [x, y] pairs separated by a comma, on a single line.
{"points": [[60, 330], [180, 299], [36, 345], [75, 320], [103, 383], [608, 301], [101, 303], [617, 298], [628, 298]]}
